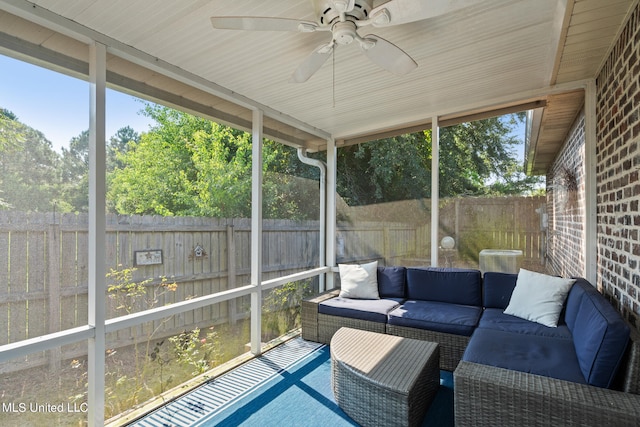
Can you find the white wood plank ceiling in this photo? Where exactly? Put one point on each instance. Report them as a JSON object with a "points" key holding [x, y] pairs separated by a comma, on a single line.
{"points": [[489, 55]]}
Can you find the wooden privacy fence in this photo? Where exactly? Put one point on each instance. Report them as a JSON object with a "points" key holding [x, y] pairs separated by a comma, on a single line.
{"points": [[475, 223], [495, 223], [44, 261], [44, 270]]}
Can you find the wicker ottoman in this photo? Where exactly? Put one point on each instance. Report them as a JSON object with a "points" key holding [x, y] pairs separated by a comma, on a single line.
{"points": [[383, 380]]}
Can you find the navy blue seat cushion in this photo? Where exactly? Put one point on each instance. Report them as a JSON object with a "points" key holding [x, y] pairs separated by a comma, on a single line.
{"points": [[497, 289], [437, 316], [600, 336], [452, 285], [534, 354], [375, 310], [494, 318], [392, 282]]}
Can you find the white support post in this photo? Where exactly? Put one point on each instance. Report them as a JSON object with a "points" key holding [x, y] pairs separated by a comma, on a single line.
{"points": [[435, 189], [97, 231], [256, 233], [590, 202], [330, 228]]}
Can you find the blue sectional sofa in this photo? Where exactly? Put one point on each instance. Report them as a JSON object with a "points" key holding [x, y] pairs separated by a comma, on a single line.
{"points": [[585, 372], [586, 347], [439, 305], [464, 313]]}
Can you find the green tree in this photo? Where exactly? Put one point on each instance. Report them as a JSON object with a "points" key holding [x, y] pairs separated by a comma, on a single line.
{"points": [[75, 165], [385, 170], [190, 166], [158, 172], [476, 158], [11, 130], [29, 178], [119, 144], [75, 173]]}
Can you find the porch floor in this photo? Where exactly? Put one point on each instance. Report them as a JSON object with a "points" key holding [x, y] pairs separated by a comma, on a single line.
{"points": [[211, 403], [208, 399]]}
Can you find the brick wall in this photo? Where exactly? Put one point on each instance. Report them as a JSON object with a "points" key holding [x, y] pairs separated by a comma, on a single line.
{"points": [[618, 162], [618, 186], [565, 206]]}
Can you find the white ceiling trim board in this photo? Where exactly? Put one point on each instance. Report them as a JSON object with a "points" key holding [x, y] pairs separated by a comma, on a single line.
{"points": [[471, 108]]}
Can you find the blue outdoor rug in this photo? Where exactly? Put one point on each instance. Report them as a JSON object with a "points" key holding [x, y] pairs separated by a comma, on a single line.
{"points": [[298, 394]]}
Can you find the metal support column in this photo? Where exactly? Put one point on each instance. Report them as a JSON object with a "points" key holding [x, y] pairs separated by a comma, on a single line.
{"points": [[590, 202], [256, 232], [97, 230], [435, 189]]}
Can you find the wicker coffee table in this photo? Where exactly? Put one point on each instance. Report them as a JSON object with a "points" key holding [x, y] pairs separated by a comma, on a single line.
{"points": [[383, 380]]}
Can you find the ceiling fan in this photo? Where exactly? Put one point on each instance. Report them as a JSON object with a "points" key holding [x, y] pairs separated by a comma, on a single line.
{"points": [[343, 18]]}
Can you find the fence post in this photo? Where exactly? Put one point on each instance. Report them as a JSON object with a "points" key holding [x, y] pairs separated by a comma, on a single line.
{"points": [[53, 273], [231, 273], [387, 245], [457, 222]]}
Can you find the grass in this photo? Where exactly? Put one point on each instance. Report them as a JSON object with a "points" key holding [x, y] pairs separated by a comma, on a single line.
{"points": [[133, 377], [148, 368]]}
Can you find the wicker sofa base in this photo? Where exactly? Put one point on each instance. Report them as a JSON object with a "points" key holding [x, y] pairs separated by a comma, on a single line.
{"points": [[392, 386], [310, 314], [490, 396], [451, 346], [328, 325]]}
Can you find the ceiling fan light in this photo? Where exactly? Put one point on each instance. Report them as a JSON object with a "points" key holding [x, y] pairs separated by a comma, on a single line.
{"points": [[344, 32]]}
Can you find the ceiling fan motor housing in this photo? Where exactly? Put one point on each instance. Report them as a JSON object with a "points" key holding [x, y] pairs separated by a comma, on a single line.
{"points": [[327, 12], [344, 32]]}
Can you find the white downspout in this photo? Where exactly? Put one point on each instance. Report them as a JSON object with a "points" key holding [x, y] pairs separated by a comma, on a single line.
{"points": [[302, 155], [332, 167]]}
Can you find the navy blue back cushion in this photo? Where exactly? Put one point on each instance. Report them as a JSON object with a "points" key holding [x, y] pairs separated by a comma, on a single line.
{"points": [[572, 305], [452, 285], [392, 282], [600, 336], [497, 289]]}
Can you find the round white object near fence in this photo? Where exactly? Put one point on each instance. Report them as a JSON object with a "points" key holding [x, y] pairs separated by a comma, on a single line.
{"points": [[447, 242]]}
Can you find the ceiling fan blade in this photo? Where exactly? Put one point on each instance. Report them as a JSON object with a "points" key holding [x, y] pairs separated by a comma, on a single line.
{"points": [[312, 63], [387, 55], [405, 11], [257, 23]]}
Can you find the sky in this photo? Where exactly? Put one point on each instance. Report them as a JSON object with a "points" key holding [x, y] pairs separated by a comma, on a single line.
{"points": [[57, 105]]}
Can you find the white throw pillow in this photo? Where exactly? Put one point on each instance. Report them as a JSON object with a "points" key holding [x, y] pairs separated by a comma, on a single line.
{"points": [[539, 297], [359, 281]]}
